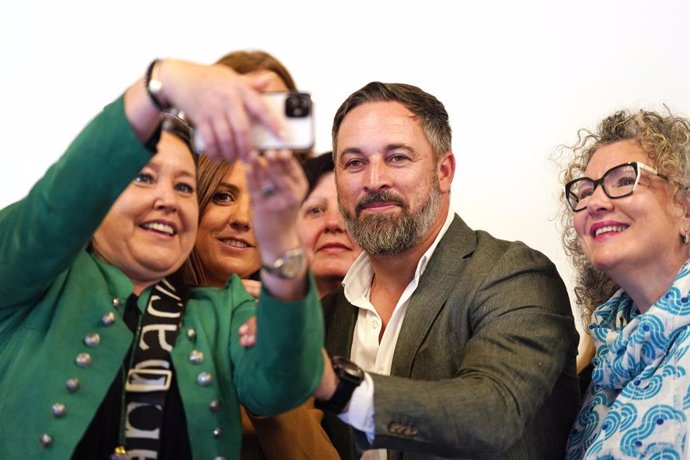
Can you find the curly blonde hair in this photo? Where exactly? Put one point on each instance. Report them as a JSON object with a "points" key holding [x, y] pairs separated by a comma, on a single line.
{"points": [[666, 140]]}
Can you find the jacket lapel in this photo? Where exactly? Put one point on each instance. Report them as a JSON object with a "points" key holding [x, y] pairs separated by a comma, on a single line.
{"points": [[340, 317], [441, 276]]}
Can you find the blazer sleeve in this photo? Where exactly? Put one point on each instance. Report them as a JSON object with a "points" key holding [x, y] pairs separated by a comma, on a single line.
{"points": [[41, 234], [285, 366], [511, 318]]}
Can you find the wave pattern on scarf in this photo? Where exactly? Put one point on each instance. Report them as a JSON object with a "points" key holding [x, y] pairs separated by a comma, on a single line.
{"points": [[638, 404]]}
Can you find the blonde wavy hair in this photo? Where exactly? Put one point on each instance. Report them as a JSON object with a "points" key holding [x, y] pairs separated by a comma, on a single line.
{"points": [[666, 140]]}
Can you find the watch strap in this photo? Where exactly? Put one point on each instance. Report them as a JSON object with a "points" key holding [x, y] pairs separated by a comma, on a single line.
{"points": [[350, 377], [154, 86]]}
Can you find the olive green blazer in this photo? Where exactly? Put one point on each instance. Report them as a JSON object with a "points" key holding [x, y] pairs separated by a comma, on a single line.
{"points": [[484, 366]]}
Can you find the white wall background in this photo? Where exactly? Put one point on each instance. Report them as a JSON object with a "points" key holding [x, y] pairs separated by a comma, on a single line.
{"points": [[518, 78]]}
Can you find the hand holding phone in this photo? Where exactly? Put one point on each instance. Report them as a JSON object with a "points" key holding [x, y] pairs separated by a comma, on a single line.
{"points": [[296, 112]]}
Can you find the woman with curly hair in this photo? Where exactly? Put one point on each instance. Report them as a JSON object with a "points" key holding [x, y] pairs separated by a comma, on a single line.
{"points": [[627, 230]]}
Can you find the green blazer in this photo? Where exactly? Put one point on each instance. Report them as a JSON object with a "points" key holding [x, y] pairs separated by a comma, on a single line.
{"points": [[484, 366], [54, 293]]}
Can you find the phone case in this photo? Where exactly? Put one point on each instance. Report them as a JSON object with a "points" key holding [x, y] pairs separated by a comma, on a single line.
{"points": [[295, 109]]}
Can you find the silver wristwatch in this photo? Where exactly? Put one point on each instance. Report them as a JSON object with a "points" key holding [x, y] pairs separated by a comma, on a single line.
{"points": [[287, 266]]}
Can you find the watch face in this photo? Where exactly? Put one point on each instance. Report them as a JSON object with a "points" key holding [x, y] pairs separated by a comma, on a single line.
{"points": [[348, 367], [350, 376], [289, 265], [292, 265]]}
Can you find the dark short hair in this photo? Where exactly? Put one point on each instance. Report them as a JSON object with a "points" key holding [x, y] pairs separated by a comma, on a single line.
{"points": [[426, 108], [317, 167]]}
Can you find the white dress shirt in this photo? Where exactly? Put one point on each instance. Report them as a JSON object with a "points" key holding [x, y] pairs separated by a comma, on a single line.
{"points": [[366, 350]]}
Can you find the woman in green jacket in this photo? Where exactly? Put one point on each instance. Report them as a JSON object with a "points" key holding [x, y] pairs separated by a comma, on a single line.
{"points": [[103, 353]]}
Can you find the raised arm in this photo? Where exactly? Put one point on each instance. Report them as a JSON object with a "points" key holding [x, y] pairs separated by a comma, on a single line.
{"points": [[287, 354], [220, 103], [42, 234]]}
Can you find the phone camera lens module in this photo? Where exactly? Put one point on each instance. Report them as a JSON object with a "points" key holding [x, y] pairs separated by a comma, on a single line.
{"points": [[297, 105]]}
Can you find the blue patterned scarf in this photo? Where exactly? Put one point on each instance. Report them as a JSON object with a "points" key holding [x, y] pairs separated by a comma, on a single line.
{"points": [[638, 405]]}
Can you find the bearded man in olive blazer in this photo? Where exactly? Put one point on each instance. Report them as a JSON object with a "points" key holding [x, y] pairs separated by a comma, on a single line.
{"points": [[467, 342]]}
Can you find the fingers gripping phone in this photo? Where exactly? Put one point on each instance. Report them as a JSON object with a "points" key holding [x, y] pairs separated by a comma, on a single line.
{"points": [[295, 110]]}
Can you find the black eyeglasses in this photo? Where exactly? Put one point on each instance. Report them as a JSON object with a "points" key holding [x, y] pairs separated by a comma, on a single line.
{"points": [[617, 182]]}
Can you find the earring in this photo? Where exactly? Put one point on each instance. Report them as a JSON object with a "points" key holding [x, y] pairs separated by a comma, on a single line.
{"points": [[686, 237]]}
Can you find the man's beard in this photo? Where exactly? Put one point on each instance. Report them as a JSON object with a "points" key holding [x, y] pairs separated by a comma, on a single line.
{"points": [[388, 235]]}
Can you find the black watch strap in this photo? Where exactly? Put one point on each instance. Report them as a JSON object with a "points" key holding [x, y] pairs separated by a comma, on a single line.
{"points": [[350, 376]]}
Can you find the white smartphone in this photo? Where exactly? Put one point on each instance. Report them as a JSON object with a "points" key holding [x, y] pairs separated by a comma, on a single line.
{"points": [[296, 111]]}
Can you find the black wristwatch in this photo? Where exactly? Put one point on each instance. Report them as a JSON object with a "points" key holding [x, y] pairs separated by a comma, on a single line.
{"points": [[350, 376]]}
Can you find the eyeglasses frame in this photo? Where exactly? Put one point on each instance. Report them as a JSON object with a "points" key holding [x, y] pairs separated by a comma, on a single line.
{"points": [[637, 165]]}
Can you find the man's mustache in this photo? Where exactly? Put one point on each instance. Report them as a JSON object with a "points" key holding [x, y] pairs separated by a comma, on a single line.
{"points": [[379, 197]]}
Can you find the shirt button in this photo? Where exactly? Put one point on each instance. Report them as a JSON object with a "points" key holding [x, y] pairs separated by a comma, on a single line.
{"points": [[410, 431], [204, 379], [196, 357], [92, 340], [108, 319], [83, 360], [46, 440], [72, 385], [58, 410]]}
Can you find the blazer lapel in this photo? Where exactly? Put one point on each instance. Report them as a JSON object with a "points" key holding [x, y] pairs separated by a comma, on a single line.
{"points": [[440, 277], [340, 317]]}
